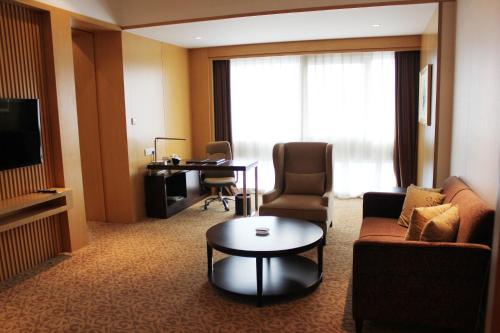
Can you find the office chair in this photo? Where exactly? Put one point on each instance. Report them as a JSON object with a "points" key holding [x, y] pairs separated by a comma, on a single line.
{"points": [[218, 179]]}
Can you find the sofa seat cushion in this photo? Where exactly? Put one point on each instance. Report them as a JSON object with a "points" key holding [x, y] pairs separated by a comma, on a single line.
{"points": [[305, 207], [382, 227]]}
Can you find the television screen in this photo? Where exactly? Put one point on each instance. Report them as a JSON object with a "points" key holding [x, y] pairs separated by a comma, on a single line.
{"points": [[20, 143]]}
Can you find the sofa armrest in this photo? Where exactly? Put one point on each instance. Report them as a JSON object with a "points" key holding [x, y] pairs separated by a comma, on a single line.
{"points": [[383, 204], [437, 284], [270, 196]]}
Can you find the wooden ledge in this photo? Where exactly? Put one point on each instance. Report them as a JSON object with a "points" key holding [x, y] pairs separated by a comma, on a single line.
{"points": [[28, 208]]}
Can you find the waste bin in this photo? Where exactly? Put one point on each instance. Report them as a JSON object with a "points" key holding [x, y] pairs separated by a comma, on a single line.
{"points": [[239, 204]]}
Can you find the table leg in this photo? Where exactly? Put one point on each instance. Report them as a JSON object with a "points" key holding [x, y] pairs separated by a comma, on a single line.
{"points": [[320, 259], [209, 262], [256, 191], [259, 280], [245, 194]]}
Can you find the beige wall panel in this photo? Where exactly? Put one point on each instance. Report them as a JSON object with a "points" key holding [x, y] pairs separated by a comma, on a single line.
{"points": [[88, 124], [144, 99], [157, 97], [476, 116], [112, 120], [177, 104], [426, 134], [442, 149]]}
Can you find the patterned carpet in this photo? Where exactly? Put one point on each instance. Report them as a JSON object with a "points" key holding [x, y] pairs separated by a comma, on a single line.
{"points": [[151, 277]]}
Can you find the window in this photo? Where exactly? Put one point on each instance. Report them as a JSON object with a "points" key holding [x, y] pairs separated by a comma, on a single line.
{"points": [[346, 99]]}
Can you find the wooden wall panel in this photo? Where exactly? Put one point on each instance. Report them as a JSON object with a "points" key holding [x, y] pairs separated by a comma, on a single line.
{"points": [[88, 125], [27, 246], [112, 119], [22, 75]]}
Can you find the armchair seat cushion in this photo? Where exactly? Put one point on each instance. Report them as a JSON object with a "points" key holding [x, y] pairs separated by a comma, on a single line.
{"points": [[382, 227], [300, 206]]}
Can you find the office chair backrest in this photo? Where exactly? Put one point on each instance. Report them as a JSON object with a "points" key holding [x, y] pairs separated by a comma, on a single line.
{"points": [[216, 150]]}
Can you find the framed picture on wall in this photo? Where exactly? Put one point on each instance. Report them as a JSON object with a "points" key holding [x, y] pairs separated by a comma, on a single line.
{"points": [[425, 95]]}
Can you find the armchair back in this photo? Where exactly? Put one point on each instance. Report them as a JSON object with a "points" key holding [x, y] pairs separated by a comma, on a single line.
{"points": [[308, 165]]}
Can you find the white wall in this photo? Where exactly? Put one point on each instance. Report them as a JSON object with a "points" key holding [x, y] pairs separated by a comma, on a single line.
{"points": [[98, 9], [476, 117]]}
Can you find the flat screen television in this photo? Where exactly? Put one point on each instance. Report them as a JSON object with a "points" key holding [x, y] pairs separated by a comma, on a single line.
{"points": [[20, 143]]}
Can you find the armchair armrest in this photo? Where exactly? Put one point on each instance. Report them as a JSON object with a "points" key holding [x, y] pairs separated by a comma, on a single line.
{"points": [[270, 196], [327, 198], [437, 284], [383, 204]]}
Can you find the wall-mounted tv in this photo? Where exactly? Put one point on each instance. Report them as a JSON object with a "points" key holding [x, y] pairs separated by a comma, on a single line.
{"points": [[20, 143]]}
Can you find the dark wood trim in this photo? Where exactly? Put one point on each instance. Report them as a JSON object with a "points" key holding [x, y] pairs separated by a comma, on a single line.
{"points": [[493, 302], [437, 82], [280, 11]]}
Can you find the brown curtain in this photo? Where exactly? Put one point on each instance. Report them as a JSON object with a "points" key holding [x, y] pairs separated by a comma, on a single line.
{"points": [[222, 100], [405, 143]]}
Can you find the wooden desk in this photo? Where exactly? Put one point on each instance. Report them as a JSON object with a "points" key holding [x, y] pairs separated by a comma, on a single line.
{"points": [[229, 165]]}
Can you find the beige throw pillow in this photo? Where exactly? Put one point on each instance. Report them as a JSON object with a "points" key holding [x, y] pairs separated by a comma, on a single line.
{"points": [[305, 183], [420, 217], [416, 197], [442, 228]]}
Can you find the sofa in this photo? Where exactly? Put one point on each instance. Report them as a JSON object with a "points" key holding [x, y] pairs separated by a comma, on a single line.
{"points": [[434, 284]]}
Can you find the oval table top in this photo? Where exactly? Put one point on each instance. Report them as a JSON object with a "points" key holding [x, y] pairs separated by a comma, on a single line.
{"points": [[286, 236]]}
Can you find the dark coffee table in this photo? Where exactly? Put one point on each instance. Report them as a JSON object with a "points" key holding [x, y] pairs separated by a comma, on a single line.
{"points": [[269, 265]]}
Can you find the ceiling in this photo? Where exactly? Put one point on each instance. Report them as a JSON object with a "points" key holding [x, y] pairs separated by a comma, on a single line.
{"points": [[329, 24]]}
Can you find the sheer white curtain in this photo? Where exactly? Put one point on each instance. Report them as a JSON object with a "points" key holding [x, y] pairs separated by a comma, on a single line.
{"points": [[350, 102], [346, 99], [265, 109]]}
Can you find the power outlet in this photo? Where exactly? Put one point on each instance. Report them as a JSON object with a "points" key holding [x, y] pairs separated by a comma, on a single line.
{"points": [[149, 151]]}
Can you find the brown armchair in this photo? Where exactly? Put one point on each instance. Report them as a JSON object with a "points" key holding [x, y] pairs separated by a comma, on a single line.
{"points": [[437, 284], [303, 183]]}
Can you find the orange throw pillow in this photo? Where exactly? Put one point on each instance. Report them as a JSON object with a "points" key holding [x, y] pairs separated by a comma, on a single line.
{"points": [[417, 197], [442, 228], [420, 217]]}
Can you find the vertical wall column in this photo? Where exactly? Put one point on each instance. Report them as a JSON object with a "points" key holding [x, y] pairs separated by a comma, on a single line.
{"points": [[64, 124], [113, 127]]}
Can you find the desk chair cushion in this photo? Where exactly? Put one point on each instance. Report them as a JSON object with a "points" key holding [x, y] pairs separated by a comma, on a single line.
{"points": [[306, 207], [222, 181]]}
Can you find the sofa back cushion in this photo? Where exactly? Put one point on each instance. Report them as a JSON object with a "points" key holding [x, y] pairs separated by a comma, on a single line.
{"points": [[476, 218]]}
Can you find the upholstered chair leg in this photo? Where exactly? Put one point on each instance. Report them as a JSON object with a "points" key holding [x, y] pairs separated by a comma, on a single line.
{"points": [[359, 325]]}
